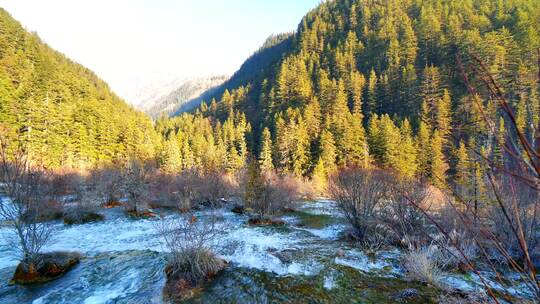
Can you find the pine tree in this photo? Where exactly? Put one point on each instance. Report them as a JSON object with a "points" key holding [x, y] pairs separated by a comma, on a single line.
{"points": [[424, 150], [406, 163], [371, 94], [444, 116], [265, 157], [319, 176], [438, 161], [171, 158], [327, 151], [300, 153], [462, 168]]}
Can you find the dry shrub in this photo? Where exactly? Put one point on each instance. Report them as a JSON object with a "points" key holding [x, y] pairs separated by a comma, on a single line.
{"points": [[269, 194], [108, 183], [190, 188], [86, 206], [187, 239], [135, 184], [455, 246], [29, 193], [425, 264], [405, 223], [359, 194], [518, 202], [64, 182], [165, 190], [212, 188]]}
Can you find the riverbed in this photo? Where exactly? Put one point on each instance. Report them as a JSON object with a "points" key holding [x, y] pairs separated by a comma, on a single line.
{"points": [[303, 262]]}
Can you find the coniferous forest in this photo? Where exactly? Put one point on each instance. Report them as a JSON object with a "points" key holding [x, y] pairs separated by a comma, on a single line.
{"points": [[417, 121], [62, 112]]}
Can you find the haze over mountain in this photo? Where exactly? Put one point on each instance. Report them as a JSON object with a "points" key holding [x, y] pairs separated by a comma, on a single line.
{"points": [[136, 45], [186, 96]]}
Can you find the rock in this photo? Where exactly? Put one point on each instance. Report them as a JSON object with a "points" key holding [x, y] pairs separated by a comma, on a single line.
{"points": [[406, 295], [50, 266], [257, 221], [238, 209], [288, 210], [340, 253], [142, 215], [285, 256], [84, 218], [111, 205]]}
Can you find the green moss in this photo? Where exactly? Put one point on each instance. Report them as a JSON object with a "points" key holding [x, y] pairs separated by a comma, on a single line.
{"points": [[350, 286], [315, 221]]}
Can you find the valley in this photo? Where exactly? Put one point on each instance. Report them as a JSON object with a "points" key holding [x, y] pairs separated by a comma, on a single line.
{"points": [[379, 152]]}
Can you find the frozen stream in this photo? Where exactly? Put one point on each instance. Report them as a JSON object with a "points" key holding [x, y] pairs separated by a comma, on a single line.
{"points": [[125, 258]]}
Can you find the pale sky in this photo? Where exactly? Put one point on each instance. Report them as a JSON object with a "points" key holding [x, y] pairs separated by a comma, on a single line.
{"points": [[136, 43]]}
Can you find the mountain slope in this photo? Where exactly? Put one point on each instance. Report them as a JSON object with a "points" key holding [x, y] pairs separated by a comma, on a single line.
{"points": [[185, 97], [63, 113], [389, 67]]}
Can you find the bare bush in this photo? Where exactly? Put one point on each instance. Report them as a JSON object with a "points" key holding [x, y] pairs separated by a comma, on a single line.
{"points": [[522, 207], [85, 207], [136, 187], [187, 239], [211, 188], [28, 193], [359, 194], [189, 189], [403, 222], [269, 194], [108, 184]]}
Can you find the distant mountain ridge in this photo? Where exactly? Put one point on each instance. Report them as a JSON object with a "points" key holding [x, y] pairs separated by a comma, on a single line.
{"points": [[186, 97]]}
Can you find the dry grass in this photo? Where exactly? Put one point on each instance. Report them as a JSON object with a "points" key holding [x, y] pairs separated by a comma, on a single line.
{"points": [[425, 264]]}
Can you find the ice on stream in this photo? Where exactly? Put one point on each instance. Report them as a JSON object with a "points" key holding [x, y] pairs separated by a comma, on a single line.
{"points": [[133, 246]]}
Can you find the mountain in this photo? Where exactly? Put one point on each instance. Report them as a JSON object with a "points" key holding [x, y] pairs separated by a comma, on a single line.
{"points": [[186, 96], [62, 113], [378, 82], [143, 94]]}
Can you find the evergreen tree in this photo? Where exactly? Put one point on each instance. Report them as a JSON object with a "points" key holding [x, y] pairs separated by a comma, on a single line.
{"points": [[265, 157], [327, 151], [438, 162]]}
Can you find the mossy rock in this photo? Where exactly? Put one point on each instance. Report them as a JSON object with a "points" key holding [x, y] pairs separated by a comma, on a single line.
{"points": [[88, 217], [178, 289], [50, 266], [248, 285], [258, 221]]}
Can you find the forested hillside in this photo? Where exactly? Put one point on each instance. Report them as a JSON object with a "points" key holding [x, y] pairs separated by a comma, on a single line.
{"points": [[365, 83], [63, 113]]}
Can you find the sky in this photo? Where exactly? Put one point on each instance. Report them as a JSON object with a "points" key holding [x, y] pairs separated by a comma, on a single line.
{"points": [[137, 44]]}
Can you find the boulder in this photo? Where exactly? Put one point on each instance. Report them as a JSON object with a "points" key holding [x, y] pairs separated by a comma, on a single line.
{"points": [[238, 209], [87, 217], [48, 267]]}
